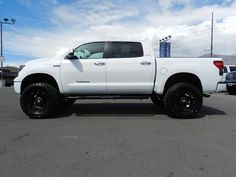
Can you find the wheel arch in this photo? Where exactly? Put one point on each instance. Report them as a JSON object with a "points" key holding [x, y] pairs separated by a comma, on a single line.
{"points": [[39, 77], [183, 77]]}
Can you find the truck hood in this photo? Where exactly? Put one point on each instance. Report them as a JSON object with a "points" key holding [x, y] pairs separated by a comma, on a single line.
{"points": [[43, 61], [38, 65]]}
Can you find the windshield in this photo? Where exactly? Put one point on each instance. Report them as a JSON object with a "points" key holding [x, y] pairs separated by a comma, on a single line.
{"points": [[232, 68]]}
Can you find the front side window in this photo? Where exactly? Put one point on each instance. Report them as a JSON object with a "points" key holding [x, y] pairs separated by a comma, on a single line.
{"points": [[90, 51], [126, 49]]}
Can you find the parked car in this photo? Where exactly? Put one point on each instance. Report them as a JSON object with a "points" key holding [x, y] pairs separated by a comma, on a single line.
{"points": [[117, 69], [227, 69], [231, 82], [5, 73], [8, 76]]}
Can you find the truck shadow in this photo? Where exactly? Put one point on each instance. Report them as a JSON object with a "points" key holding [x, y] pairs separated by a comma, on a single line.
{"points": [[124, 109], [209, 111]]}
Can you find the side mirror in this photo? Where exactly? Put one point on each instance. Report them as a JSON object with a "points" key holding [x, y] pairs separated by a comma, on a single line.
{"points": [[71, 56]]}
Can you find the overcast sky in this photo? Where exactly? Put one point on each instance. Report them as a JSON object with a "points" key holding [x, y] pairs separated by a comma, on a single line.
{"points": [[47, 28]]}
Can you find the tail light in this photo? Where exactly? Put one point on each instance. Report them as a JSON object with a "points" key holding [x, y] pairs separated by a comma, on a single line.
{"points": [[219, 64]]}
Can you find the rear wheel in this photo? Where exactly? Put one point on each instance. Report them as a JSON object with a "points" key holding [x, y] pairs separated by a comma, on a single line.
{"points": [[183, 100], [38, 100]]}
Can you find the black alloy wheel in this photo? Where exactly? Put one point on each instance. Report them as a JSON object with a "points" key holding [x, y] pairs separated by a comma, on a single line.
{"points": [[38, 100], [183, 100]]}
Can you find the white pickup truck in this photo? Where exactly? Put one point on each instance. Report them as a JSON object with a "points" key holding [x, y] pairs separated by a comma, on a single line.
{"points": [[117, 69]]}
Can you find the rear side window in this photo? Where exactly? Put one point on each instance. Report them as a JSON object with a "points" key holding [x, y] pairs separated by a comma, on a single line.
{"points": [[232, 68], [126, 50]]}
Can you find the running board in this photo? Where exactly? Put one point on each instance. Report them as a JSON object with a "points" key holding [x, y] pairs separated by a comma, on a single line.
{"points": [[111, 97]]}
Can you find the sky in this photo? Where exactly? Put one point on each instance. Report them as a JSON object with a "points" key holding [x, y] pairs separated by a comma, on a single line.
{"points": [[48, 28]]}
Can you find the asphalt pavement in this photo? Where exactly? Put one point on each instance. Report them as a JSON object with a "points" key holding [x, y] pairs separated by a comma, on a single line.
{"points": [[118, 138]]}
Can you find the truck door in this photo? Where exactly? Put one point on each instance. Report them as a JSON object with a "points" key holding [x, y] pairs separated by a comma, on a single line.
{"points": [[129, 69], [87, 74]]}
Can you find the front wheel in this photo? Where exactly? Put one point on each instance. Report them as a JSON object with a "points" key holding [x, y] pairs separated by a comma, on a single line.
{"points": [[38, 100], [183, 100]]}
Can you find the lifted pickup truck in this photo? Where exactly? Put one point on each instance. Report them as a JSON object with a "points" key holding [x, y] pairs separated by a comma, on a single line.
{"points": [[117, 69]]}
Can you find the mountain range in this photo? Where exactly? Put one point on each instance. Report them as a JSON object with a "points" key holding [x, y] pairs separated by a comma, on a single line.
{"points": [[228, 59]]}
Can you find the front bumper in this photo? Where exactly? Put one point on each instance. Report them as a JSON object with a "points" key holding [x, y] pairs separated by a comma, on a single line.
{"points": [[231, 84], [221, 86]]}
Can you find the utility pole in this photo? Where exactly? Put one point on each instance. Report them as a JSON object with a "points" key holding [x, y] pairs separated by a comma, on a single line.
{"points": [[1, 51], [212, 33], [4, 22]]}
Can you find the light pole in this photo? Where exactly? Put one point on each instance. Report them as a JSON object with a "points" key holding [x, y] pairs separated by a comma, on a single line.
{"points": [[5, 21], [165, 39], [165, 47]]}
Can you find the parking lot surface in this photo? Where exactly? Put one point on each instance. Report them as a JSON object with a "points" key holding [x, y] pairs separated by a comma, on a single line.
{"points": [[118, 138]]}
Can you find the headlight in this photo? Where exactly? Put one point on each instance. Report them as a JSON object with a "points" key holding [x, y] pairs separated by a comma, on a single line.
{"points": [[21, 67]]}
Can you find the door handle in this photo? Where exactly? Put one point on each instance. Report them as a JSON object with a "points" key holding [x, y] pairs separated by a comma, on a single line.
{"points": [[99, 63], [146, 63]]}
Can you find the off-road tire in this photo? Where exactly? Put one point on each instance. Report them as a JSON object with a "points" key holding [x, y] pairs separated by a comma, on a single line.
{"points": [[33, 94], [183, 100]]}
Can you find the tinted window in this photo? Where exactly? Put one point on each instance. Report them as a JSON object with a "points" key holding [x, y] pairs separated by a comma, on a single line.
{"points": [[232, 68], [90, 51], [126, 49]]}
